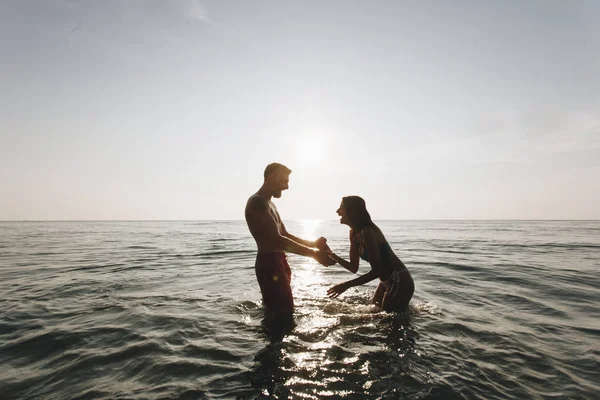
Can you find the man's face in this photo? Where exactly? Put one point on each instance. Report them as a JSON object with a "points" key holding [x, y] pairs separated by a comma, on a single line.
{"points": [[281, 181]]}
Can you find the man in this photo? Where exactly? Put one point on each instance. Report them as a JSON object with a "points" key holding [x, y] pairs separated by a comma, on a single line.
{"points": [[273, 240]]}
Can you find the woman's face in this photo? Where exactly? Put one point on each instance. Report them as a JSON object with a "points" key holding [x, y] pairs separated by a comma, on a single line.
{"points": [[343, 215]]}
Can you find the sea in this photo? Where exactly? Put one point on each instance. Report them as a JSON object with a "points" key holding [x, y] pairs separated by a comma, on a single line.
{"points": [[172, 310]]}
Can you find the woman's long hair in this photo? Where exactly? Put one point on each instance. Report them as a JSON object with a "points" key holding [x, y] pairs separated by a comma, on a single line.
{"points": [[357, 212]]}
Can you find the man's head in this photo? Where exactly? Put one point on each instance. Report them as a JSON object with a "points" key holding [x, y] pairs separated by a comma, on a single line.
{"points": [[277, 177]]}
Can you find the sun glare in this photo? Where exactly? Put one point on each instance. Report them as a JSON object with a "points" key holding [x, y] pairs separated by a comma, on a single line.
{"points": [[309, 231], [309, 151], [309, 228]]}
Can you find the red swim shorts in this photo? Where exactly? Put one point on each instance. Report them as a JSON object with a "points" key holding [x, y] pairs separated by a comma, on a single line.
{"points": [[274, 276]]}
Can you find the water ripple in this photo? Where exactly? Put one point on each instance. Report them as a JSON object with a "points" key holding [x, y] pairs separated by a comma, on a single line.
{"points": [[136, 310]]}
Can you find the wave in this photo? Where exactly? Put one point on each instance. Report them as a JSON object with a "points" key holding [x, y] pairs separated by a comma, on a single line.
{"points": [[224, 253], [158, 314]]}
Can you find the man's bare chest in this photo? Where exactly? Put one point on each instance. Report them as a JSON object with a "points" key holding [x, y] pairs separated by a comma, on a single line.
{"points": [[275, 214]]}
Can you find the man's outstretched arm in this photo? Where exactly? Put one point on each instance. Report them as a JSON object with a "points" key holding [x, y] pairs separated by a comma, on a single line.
{"points": [[264, 220], [305, 242]]}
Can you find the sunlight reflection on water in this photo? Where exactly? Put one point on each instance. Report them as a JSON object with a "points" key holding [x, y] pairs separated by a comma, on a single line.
{"points": [[172, 310]]}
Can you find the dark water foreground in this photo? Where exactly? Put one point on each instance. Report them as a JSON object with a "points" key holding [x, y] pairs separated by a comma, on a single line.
{"points": [[149, 310]]}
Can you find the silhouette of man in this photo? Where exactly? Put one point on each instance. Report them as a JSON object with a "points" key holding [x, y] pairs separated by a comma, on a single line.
{"points": [[273, 241]]}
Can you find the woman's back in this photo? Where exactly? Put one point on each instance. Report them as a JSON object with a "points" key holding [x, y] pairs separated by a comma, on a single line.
{"points": [[389, 260]]}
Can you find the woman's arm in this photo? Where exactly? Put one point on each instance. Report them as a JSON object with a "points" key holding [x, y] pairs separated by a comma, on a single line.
{"points": [[370, 243], [361, 280], [351, 265], [340, 288]]}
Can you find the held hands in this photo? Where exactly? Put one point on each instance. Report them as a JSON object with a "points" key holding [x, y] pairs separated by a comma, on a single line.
{"points": [[338, 289], [325, 255], [324, 258], [321, 243]]}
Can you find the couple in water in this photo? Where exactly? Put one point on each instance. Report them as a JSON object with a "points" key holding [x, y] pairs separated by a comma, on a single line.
{"points": [[273, 273]]}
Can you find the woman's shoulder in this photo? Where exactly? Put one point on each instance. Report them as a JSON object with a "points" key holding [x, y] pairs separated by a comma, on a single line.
{"points": [[369, 229], [372, 231]]}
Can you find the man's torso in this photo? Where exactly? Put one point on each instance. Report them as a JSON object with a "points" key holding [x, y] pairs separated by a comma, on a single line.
{"points": [[262, 237]]}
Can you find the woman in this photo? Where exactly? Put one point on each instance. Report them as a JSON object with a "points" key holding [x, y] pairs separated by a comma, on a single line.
{"points": [[367, 242]]}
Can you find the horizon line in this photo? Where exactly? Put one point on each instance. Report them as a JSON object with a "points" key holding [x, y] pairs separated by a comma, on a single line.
{"points": [[296, 220]]}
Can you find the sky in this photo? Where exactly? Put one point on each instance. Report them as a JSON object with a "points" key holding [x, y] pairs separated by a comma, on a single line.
{"points": [[148, 109]]}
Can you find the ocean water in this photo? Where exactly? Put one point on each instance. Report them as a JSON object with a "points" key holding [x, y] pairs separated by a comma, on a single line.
{"points": [[172, 310]]}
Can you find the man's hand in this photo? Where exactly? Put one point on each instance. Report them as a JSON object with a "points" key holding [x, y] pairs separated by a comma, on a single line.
{"points": [[321, 243], [338, 289], [323, 258]]}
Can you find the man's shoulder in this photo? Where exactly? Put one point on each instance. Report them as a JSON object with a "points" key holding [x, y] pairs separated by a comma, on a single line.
{"points": [[257, 203]]}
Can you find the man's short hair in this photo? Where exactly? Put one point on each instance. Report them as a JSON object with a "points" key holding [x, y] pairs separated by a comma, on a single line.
{"points": [[276, 167]]}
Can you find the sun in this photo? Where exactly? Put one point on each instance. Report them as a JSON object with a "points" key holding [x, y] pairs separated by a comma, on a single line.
{"points": [[309, 151]]}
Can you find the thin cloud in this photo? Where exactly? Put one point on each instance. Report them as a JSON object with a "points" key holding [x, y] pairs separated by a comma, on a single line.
{"points": [[76, 28]]}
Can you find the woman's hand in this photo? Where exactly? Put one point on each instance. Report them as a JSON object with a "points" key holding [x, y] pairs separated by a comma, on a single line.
{"points": [[338, 289], [324, 258], [335, 259]]}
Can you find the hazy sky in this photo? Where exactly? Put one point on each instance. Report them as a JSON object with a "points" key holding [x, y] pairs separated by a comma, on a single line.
{"points": [[159, 109]]}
